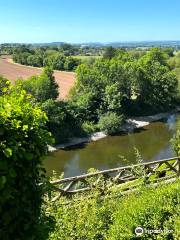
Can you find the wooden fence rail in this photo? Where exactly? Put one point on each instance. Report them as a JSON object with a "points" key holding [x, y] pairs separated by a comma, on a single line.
{"points": [[160, 169]]}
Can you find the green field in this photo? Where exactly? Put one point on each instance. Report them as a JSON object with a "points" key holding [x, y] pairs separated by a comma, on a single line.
{"points": [[83, 57]]}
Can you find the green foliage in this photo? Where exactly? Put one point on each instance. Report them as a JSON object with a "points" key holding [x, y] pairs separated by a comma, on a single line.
{"points": [[154, 209], [23, 141], [157, 86], [109, 52], [62, 122], [42, 87], [115, 86], [101, 88], [157, 55], [85, 219], [110, 123], [4, 85], [115, 216], [71, 63], [53, 58], [125, 85], [89, 127]]}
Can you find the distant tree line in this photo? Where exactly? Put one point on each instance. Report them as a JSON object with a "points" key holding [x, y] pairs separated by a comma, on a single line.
{"points": [[57, 57], [41, 58]]}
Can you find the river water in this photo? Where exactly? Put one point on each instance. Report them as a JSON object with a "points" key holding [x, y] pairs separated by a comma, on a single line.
{"points": [[152, 141]]}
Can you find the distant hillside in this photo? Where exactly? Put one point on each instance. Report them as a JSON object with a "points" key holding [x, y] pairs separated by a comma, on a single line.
{"points": [[127, 44]]}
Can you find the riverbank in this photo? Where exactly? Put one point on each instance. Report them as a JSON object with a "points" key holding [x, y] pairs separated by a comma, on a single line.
{"points": [[130, 125]]}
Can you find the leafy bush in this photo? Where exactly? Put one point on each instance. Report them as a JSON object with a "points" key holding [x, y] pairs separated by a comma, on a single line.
{"points": [[4, 85], [110, 123], [83, 218], [89, 127], [153, 209], [114, 216], [23, 141]]}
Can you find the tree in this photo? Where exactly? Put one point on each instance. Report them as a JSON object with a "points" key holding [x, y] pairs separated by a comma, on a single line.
{"points": [[158, 86], [55, 61], [42, 87], [109, 52], [169, 51], [67, 49], [112, 98], [70, 63], [63, 123], [23, 142], [34, 60], [156, 55]]}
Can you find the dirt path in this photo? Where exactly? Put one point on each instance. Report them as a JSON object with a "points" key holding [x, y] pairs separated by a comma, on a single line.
{"points": [[13, 71]]}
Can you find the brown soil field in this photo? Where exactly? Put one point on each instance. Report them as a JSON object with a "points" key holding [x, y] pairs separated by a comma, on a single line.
{"points": [[13, 71]]}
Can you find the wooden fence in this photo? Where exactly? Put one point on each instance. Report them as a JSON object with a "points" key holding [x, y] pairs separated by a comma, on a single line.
{"points": [[149, 171]]}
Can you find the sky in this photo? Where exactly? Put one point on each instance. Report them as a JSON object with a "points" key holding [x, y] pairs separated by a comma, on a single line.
{"points": [[80, 21]]}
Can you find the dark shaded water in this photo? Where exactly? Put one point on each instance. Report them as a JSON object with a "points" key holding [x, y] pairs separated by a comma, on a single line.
{"points": [[153, 142]]}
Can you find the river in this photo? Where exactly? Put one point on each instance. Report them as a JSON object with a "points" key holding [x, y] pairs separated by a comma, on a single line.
{"points": [[152, 141]]}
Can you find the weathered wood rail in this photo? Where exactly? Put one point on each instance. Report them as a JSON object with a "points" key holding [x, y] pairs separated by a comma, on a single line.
{"points": [[161, 169]]}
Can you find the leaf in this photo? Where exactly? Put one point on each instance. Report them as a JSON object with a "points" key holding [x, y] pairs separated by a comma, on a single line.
{"points": [[8, 152], [29, 156], [3, 180], [25, 127], [12, 173], [1, 131]]}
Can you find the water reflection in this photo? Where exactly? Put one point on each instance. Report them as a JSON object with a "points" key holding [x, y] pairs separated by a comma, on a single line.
{"points": [[152, 141]]}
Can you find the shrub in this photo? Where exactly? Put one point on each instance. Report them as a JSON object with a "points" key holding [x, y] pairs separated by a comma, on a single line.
{"points": [[110, 123], [114, 216], [89, 127], [4, 85], [23, 141], [154, 209], [83, 218]]}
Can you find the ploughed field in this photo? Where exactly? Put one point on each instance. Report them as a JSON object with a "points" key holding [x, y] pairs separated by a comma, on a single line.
{"points": [[13, 71]]}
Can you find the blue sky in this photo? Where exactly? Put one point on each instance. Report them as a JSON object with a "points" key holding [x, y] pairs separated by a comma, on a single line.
{"points": [[89, 20]]}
